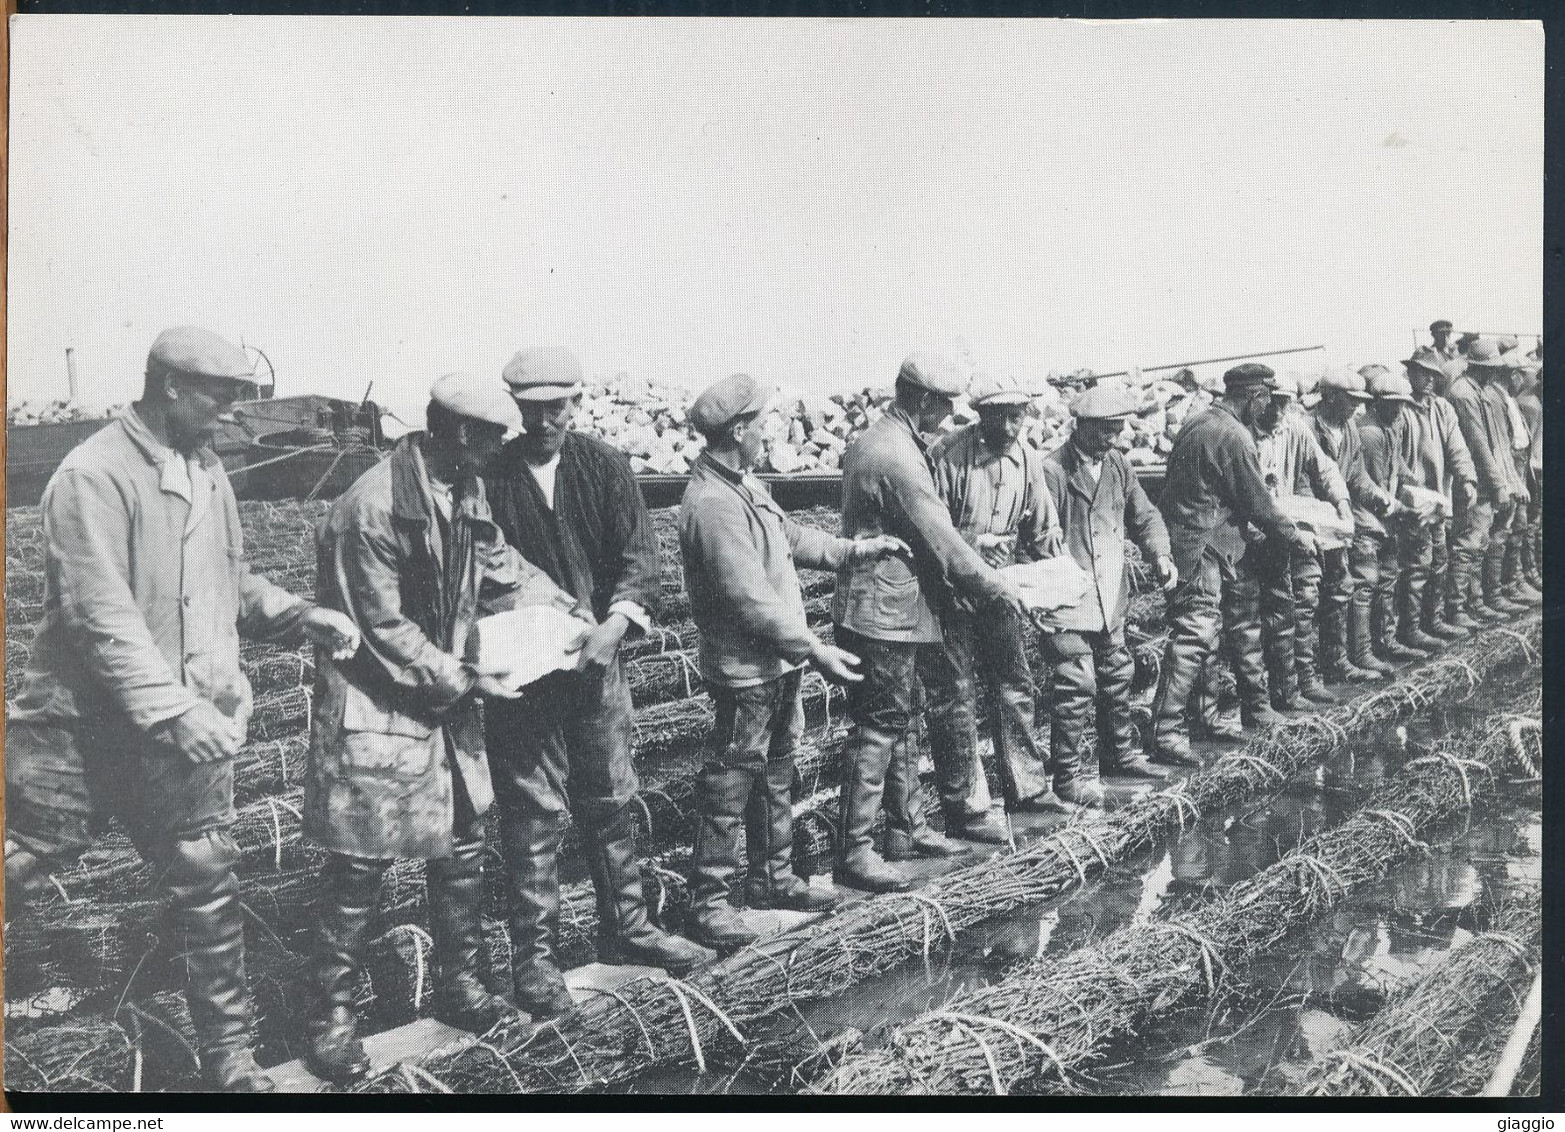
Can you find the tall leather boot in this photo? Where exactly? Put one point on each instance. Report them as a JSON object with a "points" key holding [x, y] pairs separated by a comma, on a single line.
{"points": [[908, 833], [626, 936], [771, 881], [209, 929], [1516, 585], [1494, 592], [870, 751], [1469, 587], [1281, 675], [722, 793], [1361, 643], [456, 898], [1532, 557], [1434, 606], [1336, 665], [530, 843], [1410, 607], [1306, 650], [1206, 708], [1177, 681], [1383, 630], [332, 1050]]}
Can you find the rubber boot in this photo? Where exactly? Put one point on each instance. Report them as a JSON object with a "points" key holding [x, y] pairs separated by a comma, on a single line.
{"points": [[986, 828], [1433, 609], [1410, 614], [1169, 741], [209, 930], [1313, 690], [1336, 663], [1513, 583], [530, 843], [1283, 682], [1468, 584], [455, 886], [1361, 645], [626, 936], [722, 792], [870, 751], [907, 828], [332, 1050], [1494, 593], [1383, 631], [771, 881]]}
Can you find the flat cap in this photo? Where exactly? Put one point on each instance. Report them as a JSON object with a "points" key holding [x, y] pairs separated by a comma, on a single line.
{"points": [[1107, 402], [997, 390], [1426, 359], [543, 373], [1439, 324], [477, 398], [1390, 387], [1485, 354], [1346, 381], [1285, 385], [1249, 374], [934, 372], [719, 405], [200, 353]]}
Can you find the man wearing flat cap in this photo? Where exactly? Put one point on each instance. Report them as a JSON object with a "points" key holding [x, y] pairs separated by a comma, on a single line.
{"points": [[1443, 464], [993, 487], [1400, 546], [1099, 500], [1481, 533], [1213, 487], [570, 504], [888, 609], [1440, 334], [133, 704], [1348, 575], [740, 551], [398, 767], [1294, 464]]}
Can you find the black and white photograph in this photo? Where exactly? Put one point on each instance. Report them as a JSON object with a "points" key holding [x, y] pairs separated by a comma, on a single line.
{"points": [[784, 558]]}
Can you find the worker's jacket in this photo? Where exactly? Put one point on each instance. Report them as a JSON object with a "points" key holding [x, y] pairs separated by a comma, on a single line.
{"points": [[1294, 463], [146, 590], [1345, 447], [888, 488], [1486, 427], [393, 724], [740, 551], [1439, 451], [1095, 515], [1212, 488]]}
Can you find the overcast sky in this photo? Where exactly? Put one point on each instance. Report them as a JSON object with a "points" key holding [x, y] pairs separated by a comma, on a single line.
{"points": [[390, 199]]}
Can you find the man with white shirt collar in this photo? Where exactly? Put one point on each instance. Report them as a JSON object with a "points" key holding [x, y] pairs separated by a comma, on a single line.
{"points": [[570, 504]]}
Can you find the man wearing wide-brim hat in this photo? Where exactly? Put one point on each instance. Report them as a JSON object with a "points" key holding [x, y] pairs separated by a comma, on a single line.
{"points": [[1443, 463], [133, 704], [398, 766], [993, 485], [1213, 488], [887, 610], [740, 551], [1099, 499], [1482, 531]]}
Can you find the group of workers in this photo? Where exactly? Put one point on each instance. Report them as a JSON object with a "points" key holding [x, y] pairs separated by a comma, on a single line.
{"points": [[134, 703]]}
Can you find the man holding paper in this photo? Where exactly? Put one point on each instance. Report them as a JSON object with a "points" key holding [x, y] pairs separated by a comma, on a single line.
{"points": [[740, 551], [993, 486], [570, 504], [1095, 492], [397, 760], [887, 609]]}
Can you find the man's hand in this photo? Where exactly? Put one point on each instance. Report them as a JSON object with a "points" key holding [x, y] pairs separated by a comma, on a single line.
{"points": [[1503, 498], [835, 664], [997, 550], [602, 645], [491, 688], [332, 631], [203, 734], [1167, 572], [1012, 599], [878, 546]]}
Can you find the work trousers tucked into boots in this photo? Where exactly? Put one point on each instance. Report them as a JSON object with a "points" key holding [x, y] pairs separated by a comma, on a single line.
{"points": [[1338, 580], [1090, 670], [1217, 595], [1279, 615], [1436, 606], [1494, 555], [208, 923], [1469, 535], [744, 787], [1415, 557], [1383, 600], [990, 645]]}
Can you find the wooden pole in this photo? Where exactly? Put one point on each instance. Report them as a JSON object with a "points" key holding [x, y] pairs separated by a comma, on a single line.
{"points": [[70, 374]]}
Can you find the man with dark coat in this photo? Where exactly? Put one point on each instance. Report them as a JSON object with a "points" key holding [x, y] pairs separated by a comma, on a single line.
{"points": [[740, 551], [1099, 500], [133, 704], [993, 485], [887, 609], [397, 760], [1400, 547], [570, 504], [1213, 487]]}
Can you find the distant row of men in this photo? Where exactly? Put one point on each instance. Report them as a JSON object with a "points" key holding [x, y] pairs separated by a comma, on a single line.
{"points": [[134, 703]]}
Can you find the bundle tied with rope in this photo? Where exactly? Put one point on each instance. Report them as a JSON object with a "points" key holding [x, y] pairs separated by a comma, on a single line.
{"points": [[642, 1026], [1045, 1023], [1442, 1035]]}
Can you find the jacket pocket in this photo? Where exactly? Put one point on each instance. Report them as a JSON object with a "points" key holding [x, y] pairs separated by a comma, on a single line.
{"points": [[896, 595], [384, 743]]}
